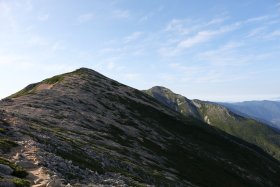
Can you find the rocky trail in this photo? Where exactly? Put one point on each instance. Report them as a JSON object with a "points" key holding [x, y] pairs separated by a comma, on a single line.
{"points": [[25, 155]]}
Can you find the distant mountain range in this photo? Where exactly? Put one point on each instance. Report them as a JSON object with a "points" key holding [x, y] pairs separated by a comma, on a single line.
{"points": [[85, 129], [265, 111], [223, 118]]}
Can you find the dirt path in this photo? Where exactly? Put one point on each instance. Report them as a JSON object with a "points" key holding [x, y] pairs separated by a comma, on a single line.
{"points": [[26, 156]]}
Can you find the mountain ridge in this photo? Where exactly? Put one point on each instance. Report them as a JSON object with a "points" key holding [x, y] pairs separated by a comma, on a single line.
{"points": [[267, 111], [83, 128], [227, 120]]}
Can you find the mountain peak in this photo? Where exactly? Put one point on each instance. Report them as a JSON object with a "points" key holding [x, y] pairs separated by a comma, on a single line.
{"points": [[85, 71], [161, 89], [172, 100], [66, 80]]}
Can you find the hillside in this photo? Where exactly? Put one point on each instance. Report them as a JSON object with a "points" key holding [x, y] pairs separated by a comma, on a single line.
{"points": [[267, 111], [84, 128], [222, 118]]}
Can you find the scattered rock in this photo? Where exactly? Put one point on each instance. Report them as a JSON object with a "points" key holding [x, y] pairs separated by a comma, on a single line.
{"points": [[37, 181], [42, 184], [18, 156], [7, 184], [25, 164], [4, 169], [55, 182]]}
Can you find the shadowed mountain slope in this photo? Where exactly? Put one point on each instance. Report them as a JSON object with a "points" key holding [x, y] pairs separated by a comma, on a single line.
{"points": [[222, 118], [85, 128]]}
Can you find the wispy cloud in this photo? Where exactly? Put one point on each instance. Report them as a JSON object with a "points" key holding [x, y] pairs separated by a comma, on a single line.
{"points": [[121, 14], [7, 19], [273, 35], [146, 17], [225, 56], [37, 41], [188, 26], [4, 8], [11, 60], [236, 55], [259, 18], [256, 32], [57, 46], [85, 17], [278, 5], [43, 17], [133, 37], [131, 76], [151, 14], [198, 38]]}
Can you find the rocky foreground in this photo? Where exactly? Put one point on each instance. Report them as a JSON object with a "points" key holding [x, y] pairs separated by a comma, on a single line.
{"points": [[83, 129]]}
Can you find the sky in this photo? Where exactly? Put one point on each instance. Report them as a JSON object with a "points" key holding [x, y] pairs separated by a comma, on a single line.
{"points": [[218, 50]]}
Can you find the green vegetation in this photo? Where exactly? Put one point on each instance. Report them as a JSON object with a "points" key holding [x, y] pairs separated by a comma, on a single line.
{"points": [[247, 129], [6, 144], [20, 182], [25, 91], [30, 89], [82, 160], [53, 80], [220, 117], [18, 171], [17, 182], [2, 130]]}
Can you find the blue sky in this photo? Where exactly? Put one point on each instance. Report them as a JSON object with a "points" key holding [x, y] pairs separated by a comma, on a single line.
{"points": [[217, 50]]}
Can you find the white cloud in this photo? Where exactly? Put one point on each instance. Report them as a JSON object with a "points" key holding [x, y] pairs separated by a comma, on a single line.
{"points": [[144, 18], [85, 17], [217, 21], [168, 77], [111, 65], [57, 46], [11, 60], [44, 17], [7, 19], [149, 15], [236, 55], [198, 38], [259, 18], [37, 40], [273, 35], [178, 26], [256, 32], [131, 76], [121, 14], [4, 8], [133, 37], [188, 26]]}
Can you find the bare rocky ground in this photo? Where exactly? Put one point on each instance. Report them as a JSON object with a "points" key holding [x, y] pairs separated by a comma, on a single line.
{"points": [[83, 129], [32, 157]]}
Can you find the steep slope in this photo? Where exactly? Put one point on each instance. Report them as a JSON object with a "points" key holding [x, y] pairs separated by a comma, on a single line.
{"points": [[219, 116], [85, 128], [268, 111], [174, 101]]}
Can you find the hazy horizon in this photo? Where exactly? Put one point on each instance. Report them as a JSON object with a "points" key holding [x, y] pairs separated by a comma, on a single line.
{"points": [[217, 51]]}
